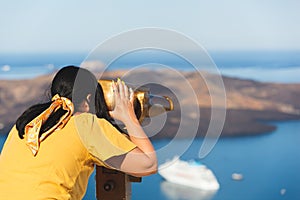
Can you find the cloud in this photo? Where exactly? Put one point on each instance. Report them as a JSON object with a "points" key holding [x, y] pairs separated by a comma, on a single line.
{"points": [[94, 65], [5, 68]]}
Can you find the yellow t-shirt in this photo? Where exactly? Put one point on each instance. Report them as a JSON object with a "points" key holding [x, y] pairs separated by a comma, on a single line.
{"points": [[65, 160]]}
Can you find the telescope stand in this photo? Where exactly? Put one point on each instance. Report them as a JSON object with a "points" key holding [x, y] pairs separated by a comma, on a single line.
{"points": [[113, 185]]}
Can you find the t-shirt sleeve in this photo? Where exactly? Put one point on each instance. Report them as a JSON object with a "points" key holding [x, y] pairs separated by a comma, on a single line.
{"points": [[102, 139]]}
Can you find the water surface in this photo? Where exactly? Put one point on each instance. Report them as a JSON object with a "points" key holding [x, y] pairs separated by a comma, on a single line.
{"points": [[269, 163]]}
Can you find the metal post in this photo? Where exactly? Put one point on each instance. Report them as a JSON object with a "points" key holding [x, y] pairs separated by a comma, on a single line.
{"points": [[113, 184]]}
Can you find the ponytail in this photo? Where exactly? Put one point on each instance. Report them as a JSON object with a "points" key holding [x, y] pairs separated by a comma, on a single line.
{"points": [[32, 113]]}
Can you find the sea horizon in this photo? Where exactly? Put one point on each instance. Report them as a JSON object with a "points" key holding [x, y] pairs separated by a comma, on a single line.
{"points": [[262, 66]]}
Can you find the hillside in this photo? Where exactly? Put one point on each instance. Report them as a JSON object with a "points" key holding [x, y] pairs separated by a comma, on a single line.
{"points": [[249, 104]]}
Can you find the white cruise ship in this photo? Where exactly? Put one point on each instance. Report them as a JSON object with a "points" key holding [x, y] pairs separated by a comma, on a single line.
{"points": [[189, 173]]}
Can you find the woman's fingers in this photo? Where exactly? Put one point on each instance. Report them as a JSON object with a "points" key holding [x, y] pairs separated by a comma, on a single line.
{"points": [[121, 92], [123, 101], [113, 85], [121, 88], [126, 92], [131, 95], [115, 90]]}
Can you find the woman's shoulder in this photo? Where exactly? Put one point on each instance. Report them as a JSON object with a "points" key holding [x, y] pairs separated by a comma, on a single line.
{"points": [[89, 119], [84, 116]]}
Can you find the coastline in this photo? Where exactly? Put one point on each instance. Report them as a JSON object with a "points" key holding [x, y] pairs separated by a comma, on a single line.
{"points": [[250, 104]]}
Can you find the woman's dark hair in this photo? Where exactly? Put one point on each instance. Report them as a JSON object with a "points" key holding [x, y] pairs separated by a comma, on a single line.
{"points": [[75, 84]]}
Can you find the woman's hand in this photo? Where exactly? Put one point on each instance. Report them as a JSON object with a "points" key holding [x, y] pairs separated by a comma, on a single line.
{"points": [[142, 160], [124, 98]]}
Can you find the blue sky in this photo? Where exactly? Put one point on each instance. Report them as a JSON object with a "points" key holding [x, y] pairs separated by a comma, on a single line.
{"points": [[78, 26]]}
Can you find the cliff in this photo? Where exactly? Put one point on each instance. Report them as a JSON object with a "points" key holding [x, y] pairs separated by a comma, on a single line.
{"points": [[249, 104]]}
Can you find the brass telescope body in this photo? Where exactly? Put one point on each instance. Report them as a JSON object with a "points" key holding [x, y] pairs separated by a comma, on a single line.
{"points": [[144, 105]]}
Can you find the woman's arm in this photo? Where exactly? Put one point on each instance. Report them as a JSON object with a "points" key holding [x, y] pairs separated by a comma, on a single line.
{"points": [[142, 160]]}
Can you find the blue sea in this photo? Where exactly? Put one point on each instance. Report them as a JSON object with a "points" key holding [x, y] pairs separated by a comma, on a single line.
{"points": [[269, 163], [265, 66]]}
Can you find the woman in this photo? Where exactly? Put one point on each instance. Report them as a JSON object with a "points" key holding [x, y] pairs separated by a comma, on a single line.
{"points": [[51, 151]]}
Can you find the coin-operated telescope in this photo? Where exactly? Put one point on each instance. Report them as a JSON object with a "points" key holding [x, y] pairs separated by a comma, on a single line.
{"points": [[113, 184], [145, 103]]}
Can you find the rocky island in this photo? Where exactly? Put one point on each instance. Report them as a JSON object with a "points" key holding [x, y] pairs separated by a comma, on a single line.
{"points": [[249, 104]]}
